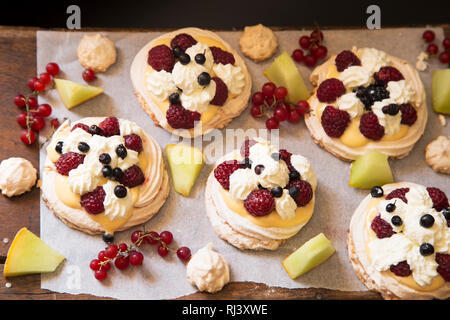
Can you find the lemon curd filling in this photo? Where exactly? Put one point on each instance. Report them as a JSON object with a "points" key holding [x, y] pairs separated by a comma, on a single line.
{"points": [[408, 281]]}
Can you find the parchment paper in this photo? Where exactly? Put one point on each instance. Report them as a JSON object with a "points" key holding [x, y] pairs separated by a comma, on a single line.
{"points": [[162, 278]]}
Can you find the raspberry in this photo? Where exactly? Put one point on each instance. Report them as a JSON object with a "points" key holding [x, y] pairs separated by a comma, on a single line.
{"points": [[286, 156], [382, 228], [110, 127], [245, 148], [92, 201], [224, 170], [132, 177], [370, 127], [334, 121], [68, 161], [259, 203], [305, 192], [443, 269], [386, 74], [183, 40], [330, 89], [346, 59], [401, 269], [221, 94], [439, 198], [180, 118], [161, 58], [368, 95], [221, 56], [398, 193], [81, 126], [409, 114], [133, 142]]}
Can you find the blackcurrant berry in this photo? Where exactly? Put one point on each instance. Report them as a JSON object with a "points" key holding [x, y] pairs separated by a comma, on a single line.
{"points": [[426, 249], [104, 158], [293, 191], [107, 171], [121, 151], [396, 221], [108, 237], [120, 191], [59, 146], [83, 147], [204, 79], [259, 169], [377, 192], [177, 51], [117, 173], [427, 221], [200, 58], [174, 98], [390, 207], [294, 175], [184, 58], [277, 192]]}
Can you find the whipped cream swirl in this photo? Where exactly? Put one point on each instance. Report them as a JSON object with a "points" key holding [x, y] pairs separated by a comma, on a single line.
{"points": [[355, 76], [372, 60], [400, 91], [116, 207], [242, 182], [390, 123], [285, 205], [160, 84], [232, 76], [350, 102]]}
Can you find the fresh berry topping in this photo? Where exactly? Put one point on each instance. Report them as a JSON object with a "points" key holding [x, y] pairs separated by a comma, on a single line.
{"points": [[391, 109], [180, 118], [184, 58], [443, 269], [401, 269], [426, 249], [221, 56], [259, 169], [120, 191], [399, 194], [183, 40], [68, 161], [259, 203], [346, 59], [386, 74], [221, 94], [94, 129], [409, 114], [59, 146], [377, 192], [382, 228], [368, 95], [396, 221], [184, 253], [133, 142], [286, 157], [174, 98], [107, 171], [223, 172], [117, 173], [83, 147], [204, 79], [245, 148], [161, 58], [92, 201], [108, 237], [104, 158], [132, 177], [439, 198], [200, 58], [427, 221], [305, 192], [390, 207], [277, 192], [334, 121], [110, 127], [330, 89], [370, 127]]}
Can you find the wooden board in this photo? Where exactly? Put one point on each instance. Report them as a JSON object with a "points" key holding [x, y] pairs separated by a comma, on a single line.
{"points": [[17, 65]]}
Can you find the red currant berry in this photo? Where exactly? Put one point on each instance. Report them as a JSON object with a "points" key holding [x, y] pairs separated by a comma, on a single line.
{"points": [[19, 100], [166, 237], [105, 266], [102, 256], [310, 61], [31, 82], [100, 275], [272, 123], [32, 102], [446, 43], [22, 119], [55, 123], [321, 52], [428, 36], [122, 262], [111, 251], [432, 49], [256, 111], [270, 100], [313, 49], [316, 36], [294, 117], [184, 253], [268, 89], [444, 57], [303, 107], [95, 265], [162, 250], [280, 93], [304, 42], [37, 123], [28, 136], [89, 75], [44, 110], [45, 77], [281, 113], [152, 237], [52, 68], [135, 236], [298, 55], [136, 258], [123, 247], [258, 98], [39, 86]]}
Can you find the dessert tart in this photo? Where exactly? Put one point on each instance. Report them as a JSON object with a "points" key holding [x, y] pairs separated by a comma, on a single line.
{"points": [[190, 81], [399, 242], [258, 197], [366, 100], [103, 175]]}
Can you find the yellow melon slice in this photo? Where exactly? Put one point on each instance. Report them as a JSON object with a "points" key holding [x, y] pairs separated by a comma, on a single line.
{"points": [[73, 93]]}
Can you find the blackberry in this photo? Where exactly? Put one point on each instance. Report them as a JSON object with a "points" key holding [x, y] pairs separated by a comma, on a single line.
{"points": [[368, 95]]}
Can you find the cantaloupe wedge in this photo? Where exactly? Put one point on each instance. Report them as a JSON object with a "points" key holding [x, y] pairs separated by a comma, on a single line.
{"points": [[370, 170], [73, 93], [28, 254], [185, 163]]}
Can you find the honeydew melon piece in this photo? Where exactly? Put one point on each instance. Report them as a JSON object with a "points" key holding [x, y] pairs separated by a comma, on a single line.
{"points": [[73, 93], [313, 253], [440, 87], [370, 170], [28, 254]]}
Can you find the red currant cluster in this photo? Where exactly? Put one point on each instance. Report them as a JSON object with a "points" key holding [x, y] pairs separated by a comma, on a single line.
{"points": [[272, 98], [88, 75], [433, 49], [124, 255], [32, 119], [314, 48]]}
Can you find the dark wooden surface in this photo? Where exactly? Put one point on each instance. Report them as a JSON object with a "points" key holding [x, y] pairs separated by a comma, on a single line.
{"points": [[17, 64]]}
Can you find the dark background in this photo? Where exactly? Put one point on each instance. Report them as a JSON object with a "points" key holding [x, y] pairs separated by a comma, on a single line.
{"points": [[222, 14]]}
